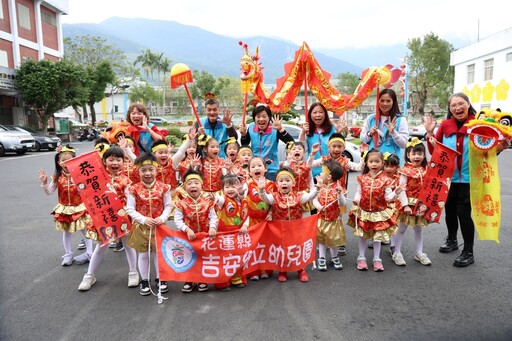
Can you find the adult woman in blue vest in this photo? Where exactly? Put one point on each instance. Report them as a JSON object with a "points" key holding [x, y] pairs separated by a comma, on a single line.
{"points": [[453, 134], [263, 136], [387, 127], [318, 129], [220, 130]]}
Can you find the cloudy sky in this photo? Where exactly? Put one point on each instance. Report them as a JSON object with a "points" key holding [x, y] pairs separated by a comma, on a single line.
{"points": [[322, 24]]}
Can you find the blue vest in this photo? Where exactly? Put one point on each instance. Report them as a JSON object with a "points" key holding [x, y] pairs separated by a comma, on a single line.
{"points": [[460, 175], [388, 144], [324, 149], [220, 133], [265, 145]]}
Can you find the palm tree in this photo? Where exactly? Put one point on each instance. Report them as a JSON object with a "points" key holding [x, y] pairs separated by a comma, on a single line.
{"points": [[146, 59]]}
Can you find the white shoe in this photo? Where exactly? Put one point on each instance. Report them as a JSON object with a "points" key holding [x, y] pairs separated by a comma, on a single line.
{"points": [[337, 263], [422, 258], [398, 258], [133, 279], [67, 259], [87, 282]]}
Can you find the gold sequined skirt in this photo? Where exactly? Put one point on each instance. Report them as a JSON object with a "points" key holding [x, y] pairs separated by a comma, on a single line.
{"points": [[139, 238], [331, 233], [71, 218], [412, 220], [378, 226]]}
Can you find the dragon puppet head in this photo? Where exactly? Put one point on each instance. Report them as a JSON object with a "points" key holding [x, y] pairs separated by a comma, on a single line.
{"points": [[248, 64], [490, 127], [116, 129]]}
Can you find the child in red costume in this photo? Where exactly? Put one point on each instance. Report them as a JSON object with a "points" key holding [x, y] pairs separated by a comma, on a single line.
{"points": [[391, 165], [287, 204], [148, 203], [70, 214], [195, 213], [411, 178], [371, 215], [191, 159], [167, 164], [231, 218], [330, 233], [257, 210], [213, 167], [241, 167], [113, 159]]}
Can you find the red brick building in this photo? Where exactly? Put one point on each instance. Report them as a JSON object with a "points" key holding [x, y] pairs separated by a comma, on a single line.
{"points": [[28, 29]]}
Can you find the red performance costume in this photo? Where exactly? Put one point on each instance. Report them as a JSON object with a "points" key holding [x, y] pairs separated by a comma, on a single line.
{"points": [[414, 177], [375, 218], [212, 174]]}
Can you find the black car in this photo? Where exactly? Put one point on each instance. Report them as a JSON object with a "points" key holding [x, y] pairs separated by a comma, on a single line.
{"points": [[42, 141]]}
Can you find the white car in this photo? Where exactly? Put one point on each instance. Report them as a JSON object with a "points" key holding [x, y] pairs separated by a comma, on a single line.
{"points": [[15, 141], [351, 150]]}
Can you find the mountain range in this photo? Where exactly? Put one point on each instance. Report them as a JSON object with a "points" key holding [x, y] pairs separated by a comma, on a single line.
{"points": [[220, 55]]}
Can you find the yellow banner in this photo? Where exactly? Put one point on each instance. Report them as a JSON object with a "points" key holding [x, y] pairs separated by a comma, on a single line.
{"points": [[485, 192]]}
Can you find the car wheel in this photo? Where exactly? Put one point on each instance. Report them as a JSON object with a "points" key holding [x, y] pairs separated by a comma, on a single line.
{"points": [[21, 152], [2, 150], [348, 156], [37, 147]]}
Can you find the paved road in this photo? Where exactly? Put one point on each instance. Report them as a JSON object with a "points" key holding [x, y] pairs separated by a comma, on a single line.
{"points": [[39, 298]]}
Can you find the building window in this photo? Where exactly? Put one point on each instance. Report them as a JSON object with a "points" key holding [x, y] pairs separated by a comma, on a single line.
{"points": [[471, 74], [48, 18], [4, 60], [488, 68], [509, 57], [24, 16]]}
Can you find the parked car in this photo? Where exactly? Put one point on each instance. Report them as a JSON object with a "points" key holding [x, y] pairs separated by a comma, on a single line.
{"points": [[15, 141], [351, 150], [419, 131], [42, 141], [158, 121]]}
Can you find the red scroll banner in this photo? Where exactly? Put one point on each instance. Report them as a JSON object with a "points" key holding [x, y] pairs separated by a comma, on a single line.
{"points": [[433, 194], [278, 245], [99, 196]]}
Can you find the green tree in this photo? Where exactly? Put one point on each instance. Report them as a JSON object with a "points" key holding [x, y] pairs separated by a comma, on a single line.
{"points": [[51, 86], [347, 83], [144, 94], [93, 54], [205, 82], [430, 74], [146, 61]]}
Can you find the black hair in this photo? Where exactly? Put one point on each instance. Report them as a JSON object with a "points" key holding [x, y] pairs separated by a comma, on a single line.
{"points": [[262, 160], [191, 171], [229, 179], [465, 97], [147, 156], [291, 144], [157, 143], [395, 109], [285, 169], [101, 140], [392, 160], [335, 169], [58, 167], [259, 108], [227, 144], [114, 151], [420, 147], [196, 152], [326, 125], [337, 135], [371, 151]]}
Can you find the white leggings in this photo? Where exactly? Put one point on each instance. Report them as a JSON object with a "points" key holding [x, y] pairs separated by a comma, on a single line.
{"points": [[399, 236], [66, 240], [131, 256]]}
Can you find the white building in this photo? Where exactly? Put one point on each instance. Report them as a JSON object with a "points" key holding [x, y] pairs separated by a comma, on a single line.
{"points": [[483, 71]]}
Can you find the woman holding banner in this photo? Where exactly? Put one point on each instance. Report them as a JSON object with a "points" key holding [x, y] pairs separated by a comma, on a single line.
{"points": [[141, 130], [453, 134]]}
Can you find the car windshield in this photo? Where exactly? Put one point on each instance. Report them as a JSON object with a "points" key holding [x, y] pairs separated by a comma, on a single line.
{"points": [[27, 129]]}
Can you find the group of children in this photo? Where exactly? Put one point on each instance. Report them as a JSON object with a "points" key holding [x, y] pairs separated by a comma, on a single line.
{"points": [[209, 194]]}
